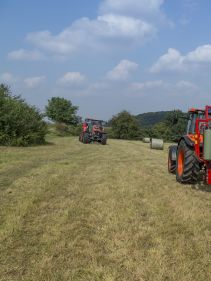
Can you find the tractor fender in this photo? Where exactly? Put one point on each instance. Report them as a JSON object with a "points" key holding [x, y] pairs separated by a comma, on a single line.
{"points": [[173, 152], [173, 148], [187, 140]]}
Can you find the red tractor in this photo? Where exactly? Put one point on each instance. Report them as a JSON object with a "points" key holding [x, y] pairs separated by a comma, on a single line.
{"points": [[93, 131], [190, 159]]}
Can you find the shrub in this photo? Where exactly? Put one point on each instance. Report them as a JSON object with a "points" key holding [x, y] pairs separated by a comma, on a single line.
{"points": [[20, 123], [109, 132], [75, 130], [125, 126], [62, 129]]}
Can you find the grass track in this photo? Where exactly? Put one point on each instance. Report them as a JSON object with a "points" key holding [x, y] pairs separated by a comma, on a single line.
{"points": [[89, 212]]}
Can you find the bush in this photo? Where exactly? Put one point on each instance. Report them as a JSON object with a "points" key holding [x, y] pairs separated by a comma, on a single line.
{"points": [[125, 126], [109, 132], [62, 129], [75, 130], [20, 123]]}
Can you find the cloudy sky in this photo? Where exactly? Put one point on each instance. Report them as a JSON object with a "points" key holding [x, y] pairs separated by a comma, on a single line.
{"points": [[108, 55]]}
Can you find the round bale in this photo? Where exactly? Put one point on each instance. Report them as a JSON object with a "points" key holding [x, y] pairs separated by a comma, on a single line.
{"points": [[146, 140], [157, 144]]}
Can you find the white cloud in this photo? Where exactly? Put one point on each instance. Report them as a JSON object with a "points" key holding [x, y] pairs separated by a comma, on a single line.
{"points": [[173, 60], [119, 23], [147, 85], [131, 6], [200, 54], [8, 78], [28, 55], [122, 71], [92, 33], [34, 82], [160, 86], [72, 79], [113, 25]]}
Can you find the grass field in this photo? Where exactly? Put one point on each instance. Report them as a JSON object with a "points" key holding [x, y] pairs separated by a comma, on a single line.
{"points": [[70, 211]]}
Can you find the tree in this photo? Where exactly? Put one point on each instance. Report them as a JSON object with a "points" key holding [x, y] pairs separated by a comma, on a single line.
{"points": [[61, 110], [124, 126], [20, 123], [4, 90], [161, 131], [176, 121]]}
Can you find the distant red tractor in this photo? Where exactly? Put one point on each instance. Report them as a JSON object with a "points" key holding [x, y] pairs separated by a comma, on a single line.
{"points": [[93, 131], [191, 158]]}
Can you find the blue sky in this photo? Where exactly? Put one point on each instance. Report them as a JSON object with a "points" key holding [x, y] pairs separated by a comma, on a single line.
{"points": [[108, 55]]}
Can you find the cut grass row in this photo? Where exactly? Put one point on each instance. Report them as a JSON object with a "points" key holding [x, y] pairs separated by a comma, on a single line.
{"points": [[70, 211]]}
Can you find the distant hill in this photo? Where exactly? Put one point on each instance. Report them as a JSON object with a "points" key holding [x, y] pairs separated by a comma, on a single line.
{"points": [[149, 119]]}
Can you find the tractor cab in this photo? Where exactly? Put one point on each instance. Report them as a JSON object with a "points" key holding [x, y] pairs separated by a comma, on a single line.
{"points": [[198, 121], [193, 115], [95, 125]]}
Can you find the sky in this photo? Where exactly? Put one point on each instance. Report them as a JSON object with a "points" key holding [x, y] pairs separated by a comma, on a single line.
{"points": [[108, 55]]}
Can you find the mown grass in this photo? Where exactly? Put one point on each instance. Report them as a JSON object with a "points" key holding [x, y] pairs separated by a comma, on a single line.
{"points": [[70, 211]]}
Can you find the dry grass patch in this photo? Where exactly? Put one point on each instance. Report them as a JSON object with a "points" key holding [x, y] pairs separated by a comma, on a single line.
{"points": [[89, 212]]}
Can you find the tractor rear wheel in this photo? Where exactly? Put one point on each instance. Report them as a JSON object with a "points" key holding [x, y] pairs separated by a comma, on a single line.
{"points": [[104, 139], [187, 165], [172, 158], [86, 138]]}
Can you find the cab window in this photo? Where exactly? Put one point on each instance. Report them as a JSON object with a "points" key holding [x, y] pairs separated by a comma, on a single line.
{"points": [[192, 124]]}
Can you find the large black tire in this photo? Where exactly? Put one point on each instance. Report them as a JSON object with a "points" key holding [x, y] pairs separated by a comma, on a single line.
{"points": [[172, 159], [86, 138], [104, 139], [187, 165]]}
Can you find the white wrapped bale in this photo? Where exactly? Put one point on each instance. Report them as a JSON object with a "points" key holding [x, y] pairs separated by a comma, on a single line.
{"points": [[157, 144], [146, 140]]}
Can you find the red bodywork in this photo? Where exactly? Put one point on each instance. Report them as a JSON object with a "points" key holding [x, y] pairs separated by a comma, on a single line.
{"points": [[84, 127], [201, 125], [93, 131], [97, 128]]}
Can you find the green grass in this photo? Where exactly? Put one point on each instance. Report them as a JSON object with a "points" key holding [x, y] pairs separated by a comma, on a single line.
{"points": [[70, 211]]}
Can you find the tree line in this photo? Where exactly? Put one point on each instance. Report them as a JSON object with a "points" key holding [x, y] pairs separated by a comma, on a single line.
{"points": [[22, 124], [126, 126]]}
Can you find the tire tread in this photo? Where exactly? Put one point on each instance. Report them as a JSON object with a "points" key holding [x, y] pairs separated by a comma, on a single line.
{"points": [[191, 165]]}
